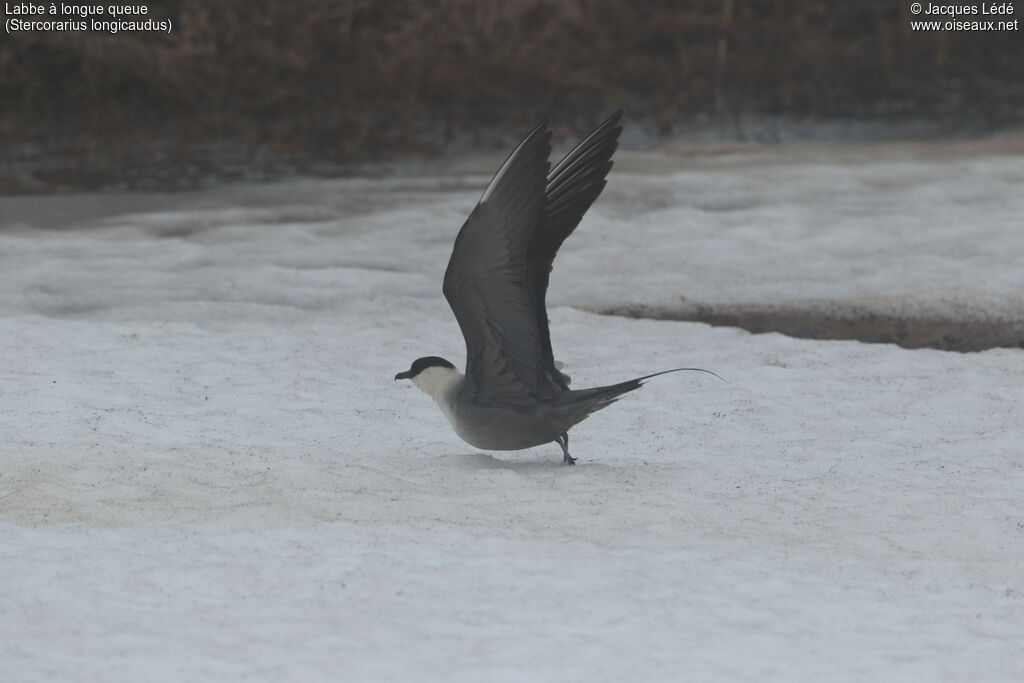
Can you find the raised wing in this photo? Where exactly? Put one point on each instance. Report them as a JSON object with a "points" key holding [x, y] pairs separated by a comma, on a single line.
{"points": [[487, 282], [497, 277], [572, 187]]}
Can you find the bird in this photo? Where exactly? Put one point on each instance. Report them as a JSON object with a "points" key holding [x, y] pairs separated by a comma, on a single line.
{"points": [[513, 394]]}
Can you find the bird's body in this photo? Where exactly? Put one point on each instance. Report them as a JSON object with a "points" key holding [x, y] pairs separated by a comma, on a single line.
{"points": [[500, 428], [513, 395], [485, 427]]}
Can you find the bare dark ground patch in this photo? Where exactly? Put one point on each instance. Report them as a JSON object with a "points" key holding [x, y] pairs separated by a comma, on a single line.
{"points": [[848, 320]]}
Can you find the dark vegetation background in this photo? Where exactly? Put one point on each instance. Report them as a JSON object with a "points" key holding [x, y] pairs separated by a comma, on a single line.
{"points": [[245, 88]]}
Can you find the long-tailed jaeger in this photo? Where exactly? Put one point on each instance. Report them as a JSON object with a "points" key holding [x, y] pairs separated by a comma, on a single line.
{"points": [[513, 395]]}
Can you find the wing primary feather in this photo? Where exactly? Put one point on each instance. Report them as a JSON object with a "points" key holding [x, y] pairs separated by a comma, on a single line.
{"points": [[607, 127], [496, 180]]}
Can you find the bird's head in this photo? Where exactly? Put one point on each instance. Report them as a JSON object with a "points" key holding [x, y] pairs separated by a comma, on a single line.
{"points": [[430, 373], [421, 364]]}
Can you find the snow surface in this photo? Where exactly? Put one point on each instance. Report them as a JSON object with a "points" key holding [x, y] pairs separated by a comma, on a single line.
{"points": [[207, 472]]}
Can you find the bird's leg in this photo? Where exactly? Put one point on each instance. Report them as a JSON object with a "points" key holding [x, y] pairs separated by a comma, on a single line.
{"points": [[563, 441]]}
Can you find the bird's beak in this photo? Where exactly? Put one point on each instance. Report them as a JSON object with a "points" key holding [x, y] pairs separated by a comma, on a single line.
{"points": [[403, 375]]}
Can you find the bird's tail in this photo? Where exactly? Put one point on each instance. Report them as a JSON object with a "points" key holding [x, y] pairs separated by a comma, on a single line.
{"points": [[589, 401]]}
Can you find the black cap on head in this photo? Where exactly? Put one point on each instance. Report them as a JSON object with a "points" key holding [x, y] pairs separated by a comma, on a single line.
{"points": [[421, 364]]}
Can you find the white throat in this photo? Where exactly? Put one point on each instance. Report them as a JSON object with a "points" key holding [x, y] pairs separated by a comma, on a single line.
{"points": [[439, 383]]}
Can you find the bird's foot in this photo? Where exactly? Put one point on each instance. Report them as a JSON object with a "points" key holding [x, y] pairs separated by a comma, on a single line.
{"points": [[563, 441]]}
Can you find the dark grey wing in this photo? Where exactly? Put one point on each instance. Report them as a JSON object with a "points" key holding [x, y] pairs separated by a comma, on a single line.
{"points": [[572, 186], [487, 285]]}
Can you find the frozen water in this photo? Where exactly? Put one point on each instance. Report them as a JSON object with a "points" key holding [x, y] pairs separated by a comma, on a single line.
{"points": [[207, 471]]}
